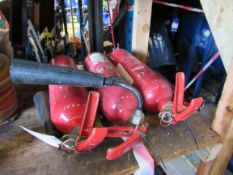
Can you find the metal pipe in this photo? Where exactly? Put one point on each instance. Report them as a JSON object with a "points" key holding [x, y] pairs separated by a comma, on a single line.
{"points": [[91, 25], [133, 90], [193, 9], [117, 20], [72, 19], [98, 9], [62, 6], [81, 29], [111, 26], [208, 64]]}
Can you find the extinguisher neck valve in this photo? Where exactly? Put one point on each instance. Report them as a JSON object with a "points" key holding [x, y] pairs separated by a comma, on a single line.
{"points": [[137, 118]]}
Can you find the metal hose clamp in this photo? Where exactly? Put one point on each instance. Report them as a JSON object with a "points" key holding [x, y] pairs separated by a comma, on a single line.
{"points": [[166, 118]]}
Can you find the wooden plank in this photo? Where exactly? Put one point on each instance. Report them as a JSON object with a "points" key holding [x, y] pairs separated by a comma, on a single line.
{"points": [[176, 141], [27, 155], [219, 15], [209, 153], [205, 168], [21, 153], [207, 160], [141, 28], [225, 153], [224, 112]]}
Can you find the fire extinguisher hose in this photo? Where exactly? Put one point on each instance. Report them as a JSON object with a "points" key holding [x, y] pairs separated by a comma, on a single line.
{"points": [[130, 88], [27, 72]]}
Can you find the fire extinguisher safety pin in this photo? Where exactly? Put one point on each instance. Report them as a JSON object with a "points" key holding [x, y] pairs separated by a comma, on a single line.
{"points": [[67, 147]]}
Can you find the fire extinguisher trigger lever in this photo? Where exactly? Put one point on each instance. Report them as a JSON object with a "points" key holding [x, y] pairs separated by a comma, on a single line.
{"points": [[182, 110], [179, 110]]}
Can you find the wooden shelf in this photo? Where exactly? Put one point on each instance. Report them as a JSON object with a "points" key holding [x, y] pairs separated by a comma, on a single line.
{"points": [[177, 140], [20, 153]]}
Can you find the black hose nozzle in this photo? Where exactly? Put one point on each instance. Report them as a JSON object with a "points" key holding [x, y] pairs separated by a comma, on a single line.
{"points": [[28, 72]]}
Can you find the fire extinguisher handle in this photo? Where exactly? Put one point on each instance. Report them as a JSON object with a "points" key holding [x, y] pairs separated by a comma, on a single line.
{"points": [[28, 72]]}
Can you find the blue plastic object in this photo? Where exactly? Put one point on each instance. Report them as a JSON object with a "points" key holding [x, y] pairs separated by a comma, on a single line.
{"points": [[106, 18], [160, 50], [74, 3], [197, 41], [129, 27], [230, 165]]}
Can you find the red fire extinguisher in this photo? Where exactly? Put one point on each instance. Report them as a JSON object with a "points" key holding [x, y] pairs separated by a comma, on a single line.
{"points": [[71, 108], [118, 104], [67, 103], [156, 90]]}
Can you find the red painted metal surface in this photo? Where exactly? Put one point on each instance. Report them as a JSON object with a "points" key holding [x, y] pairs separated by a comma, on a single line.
{"points": [[92, 137], [70, 107], [88, 119], [155, 89], [118, 151], [133, 138], [67, 103], [179, 110], [117, 103], [178, 99], [96, 137], [124, 131]]}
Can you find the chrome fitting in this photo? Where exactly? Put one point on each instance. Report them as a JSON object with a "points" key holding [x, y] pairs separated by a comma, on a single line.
{"points": [[137, 117]]}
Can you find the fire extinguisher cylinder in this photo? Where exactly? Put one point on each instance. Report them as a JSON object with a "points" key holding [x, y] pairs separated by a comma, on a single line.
{"points": [[138, 115]]}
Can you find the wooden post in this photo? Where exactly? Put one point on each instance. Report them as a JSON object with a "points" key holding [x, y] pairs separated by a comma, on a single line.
{"points": [[219, 15], [141, 28], [224, 112], [205, 167], [225, 153], [207, 160]]}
